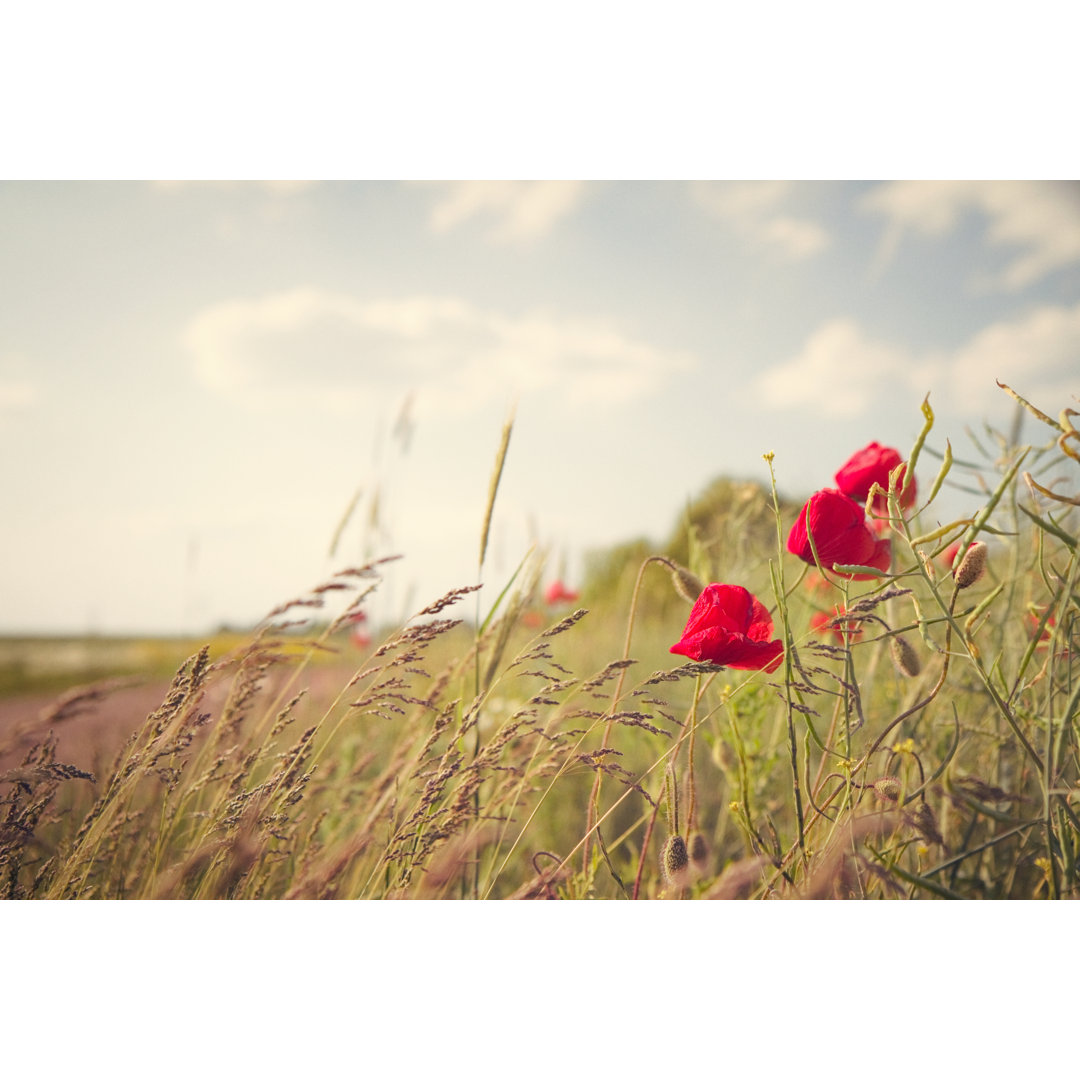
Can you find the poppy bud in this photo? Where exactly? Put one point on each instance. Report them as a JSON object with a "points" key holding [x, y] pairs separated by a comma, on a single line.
{"points": [[972, 565], [904, 657], [686, 584], [887, 788], [674, 860]]}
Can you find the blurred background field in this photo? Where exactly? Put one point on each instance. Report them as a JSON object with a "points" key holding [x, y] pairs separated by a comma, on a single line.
{"points": [[42, 665]]}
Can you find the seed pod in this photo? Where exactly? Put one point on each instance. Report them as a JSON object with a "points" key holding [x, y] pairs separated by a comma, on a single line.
{"points": [[904, 657], [674, 860], [972, 565]]}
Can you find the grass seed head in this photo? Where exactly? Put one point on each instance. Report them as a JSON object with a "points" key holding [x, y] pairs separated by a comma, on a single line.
{"points": [[924, 821]]}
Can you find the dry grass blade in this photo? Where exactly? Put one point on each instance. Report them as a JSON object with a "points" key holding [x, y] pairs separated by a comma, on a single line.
{"points": [[496, 476], [345, 518]]}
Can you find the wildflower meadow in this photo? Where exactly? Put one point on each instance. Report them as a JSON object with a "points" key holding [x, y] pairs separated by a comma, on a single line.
{"points": [[840, 696]]}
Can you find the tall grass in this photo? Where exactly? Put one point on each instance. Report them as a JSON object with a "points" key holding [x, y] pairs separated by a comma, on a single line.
{"points": [[923, 742]]}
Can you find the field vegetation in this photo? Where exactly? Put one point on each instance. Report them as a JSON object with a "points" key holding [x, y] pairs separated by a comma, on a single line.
{"points": [[902, 723]]}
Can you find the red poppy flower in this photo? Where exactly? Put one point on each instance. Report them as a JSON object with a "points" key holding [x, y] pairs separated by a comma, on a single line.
{"points": [[820, 620], [558, 593], [360, 638], [948, 556], [730, 626], [840, 532], [870, 466]]}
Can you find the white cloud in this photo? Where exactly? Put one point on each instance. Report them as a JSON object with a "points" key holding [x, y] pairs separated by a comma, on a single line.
{"points": [[522, 210], [840, 371], [1035, 355], [1039, 219], [754, 211], [328, 350]]}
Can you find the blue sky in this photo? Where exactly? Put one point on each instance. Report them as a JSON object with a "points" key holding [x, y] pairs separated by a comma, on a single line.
{"points": [[195, 378]]}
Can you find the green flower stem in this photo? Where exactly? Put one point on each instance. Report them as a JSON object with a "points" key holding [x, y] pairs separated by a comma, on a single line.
{"points": [[776, 572]]}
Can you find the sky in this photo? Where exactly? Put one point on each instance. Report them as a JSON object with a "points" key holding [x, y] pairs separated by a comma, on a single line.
{"points": [[197, 378]]}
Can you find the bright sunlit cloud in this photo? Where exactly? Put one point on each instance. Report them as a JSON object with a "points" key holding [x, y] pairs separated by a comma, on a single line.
{"points": [[1037, 220], [841, 371], [331, 351], [754, 211], [518, 210]]}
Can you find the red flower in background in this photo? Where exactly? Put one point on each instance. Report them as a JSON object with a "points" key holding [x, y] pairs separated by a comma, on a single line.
{"points": [[948, 556], [360, 638], [841, 534], [728, 625], [870, 466], [848, 630], [558, 593], [1033, 620]]}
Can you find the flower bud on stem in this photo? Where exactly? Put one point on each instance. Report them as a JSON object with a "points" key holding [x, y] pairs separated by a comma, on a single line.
{"points": [[972, 566]]}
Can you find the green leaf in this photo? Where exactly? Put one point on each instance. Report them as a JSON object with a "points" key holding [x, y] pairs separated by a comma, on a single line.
{"points": [[1054, 530]]}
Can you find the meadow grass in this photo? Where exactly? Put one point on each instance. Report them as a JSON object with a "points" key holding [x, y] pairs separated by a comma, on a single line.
{"points": [[919, 739]]}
